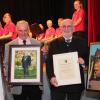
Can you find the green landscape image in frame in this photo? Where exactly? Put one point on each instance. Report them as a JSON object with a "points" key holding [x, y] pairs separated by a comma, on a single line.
{"points": [[32, 68]]}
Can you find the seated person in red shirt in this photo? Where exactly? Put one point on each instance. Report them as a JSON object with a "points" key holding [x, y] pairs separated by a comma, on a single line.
{"points": [[50, 31], [41, 35], [9, 30], [59, 28]]}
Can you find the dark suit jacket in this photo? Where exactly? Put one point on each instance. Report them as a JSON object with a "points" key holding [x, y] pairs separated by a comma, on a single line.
{"points": [[59, 46], [26, 61]]}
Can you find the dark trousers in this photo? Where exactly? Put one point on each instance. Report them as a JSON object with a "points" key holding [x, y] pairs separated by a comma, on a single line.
{"points": [[62, 96], [29, 93], [17, 97], [26, 71]]}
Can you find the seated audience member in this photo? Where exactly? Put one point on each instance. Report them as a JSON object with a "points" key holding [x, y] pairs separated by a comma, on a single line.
{"points": [[41, 35], [36, 29], [49, 36], [59, 29], [9, 30], [50, 31], [24, 92], [66, 44]]}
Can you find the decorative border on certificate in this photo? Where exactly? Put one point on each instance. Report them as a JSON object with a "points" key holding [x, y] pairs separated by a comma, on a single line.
{"points": [[66, 68]]}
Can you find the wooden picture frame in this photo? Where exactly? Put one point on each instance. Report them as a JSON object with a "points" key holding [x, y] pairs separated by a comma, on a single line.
{"points": [[25, 65], [93, 75]]}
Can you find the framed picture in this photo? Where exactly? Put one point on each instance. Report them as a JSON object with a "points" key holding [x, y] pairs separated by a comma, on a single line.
{"points": [[25, 65], [93, 77]]}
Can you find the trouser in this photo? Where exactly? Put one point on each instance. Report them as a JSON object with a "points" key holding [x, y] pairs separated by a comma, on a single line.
{"points": [[26, 72], [29, 93], [62, 96]]}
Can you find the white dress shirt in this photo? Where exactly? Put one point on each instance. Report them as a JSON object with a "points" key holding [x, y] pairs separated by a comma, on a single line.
{"points": [[68, 39], [20, 41]]}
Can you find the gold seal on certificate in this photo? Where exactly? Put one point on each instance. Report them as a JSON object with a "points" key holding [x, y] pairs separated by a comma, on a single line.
{"points": [[66, 68]]}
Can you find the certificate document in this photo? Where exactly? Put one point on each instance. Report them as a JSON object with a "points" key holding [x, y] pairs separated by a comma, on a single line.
{"points": [[66, 68]]}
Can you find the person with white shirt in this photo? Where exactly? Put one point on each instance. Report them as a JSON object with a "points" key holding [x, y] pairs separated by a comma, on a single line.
{"points": [[24, 92]]}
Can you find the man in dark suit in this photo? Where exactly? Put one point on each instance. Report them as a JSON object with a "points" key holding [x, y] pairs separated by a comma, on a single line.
{"points": [[26, 62], [65, 44]]}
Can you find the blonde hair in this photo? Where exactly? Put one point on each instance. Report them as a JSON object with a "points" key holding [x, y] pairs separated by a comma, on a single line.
{"points": [[49, 21], [80, 2]]}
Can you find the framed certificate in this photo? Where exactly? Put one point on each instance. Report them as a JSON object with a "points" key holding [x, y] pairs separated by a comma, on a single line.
{"points": [[66, 68]]}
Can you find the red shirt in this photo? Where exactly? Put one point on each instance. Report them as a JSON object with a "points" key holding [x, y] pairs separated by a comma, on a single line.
{"points": [[40, 36], [9, 27], [50, 32], [1, 29], [81, 25], [58, 32]]}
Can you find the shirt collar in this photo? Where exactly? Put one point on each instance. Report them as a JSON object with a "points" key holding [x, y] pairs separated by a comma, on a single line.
{"points": [[68, 39], [20, 41]]}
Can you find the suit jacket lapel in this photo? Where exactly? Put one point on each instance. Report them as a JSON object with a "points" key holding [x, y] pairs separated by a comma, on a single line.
{"points": [[15, 42]]}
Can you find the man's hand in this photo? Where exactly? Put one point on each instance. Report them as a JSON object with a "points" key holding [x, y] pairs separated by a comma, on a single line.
{"points": [[81, 60], [54, 82]]}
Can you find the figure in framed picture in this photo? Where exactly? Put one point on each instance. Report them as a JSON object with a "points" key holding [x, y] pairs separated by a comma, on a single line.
{"points": [[26, 62]]}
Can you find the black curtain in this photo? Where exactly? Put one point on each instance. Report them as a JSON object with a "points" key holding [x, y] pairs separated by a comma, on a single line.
{"points": [[37, 10]]}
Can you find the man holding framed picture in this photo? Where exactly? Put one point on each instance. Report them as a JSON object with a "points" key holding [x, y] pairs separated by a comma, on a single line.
{"points": [[23, 92]]}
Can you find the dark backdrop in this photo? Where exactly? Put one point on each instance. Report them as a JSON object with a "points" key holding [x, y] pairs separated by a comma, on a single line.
{"points": [[38, 10]]}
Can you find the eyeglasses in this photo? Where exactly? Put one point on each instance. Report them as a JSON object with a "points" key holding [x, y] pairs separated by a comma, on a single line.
{"points": [[69, 26]]}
